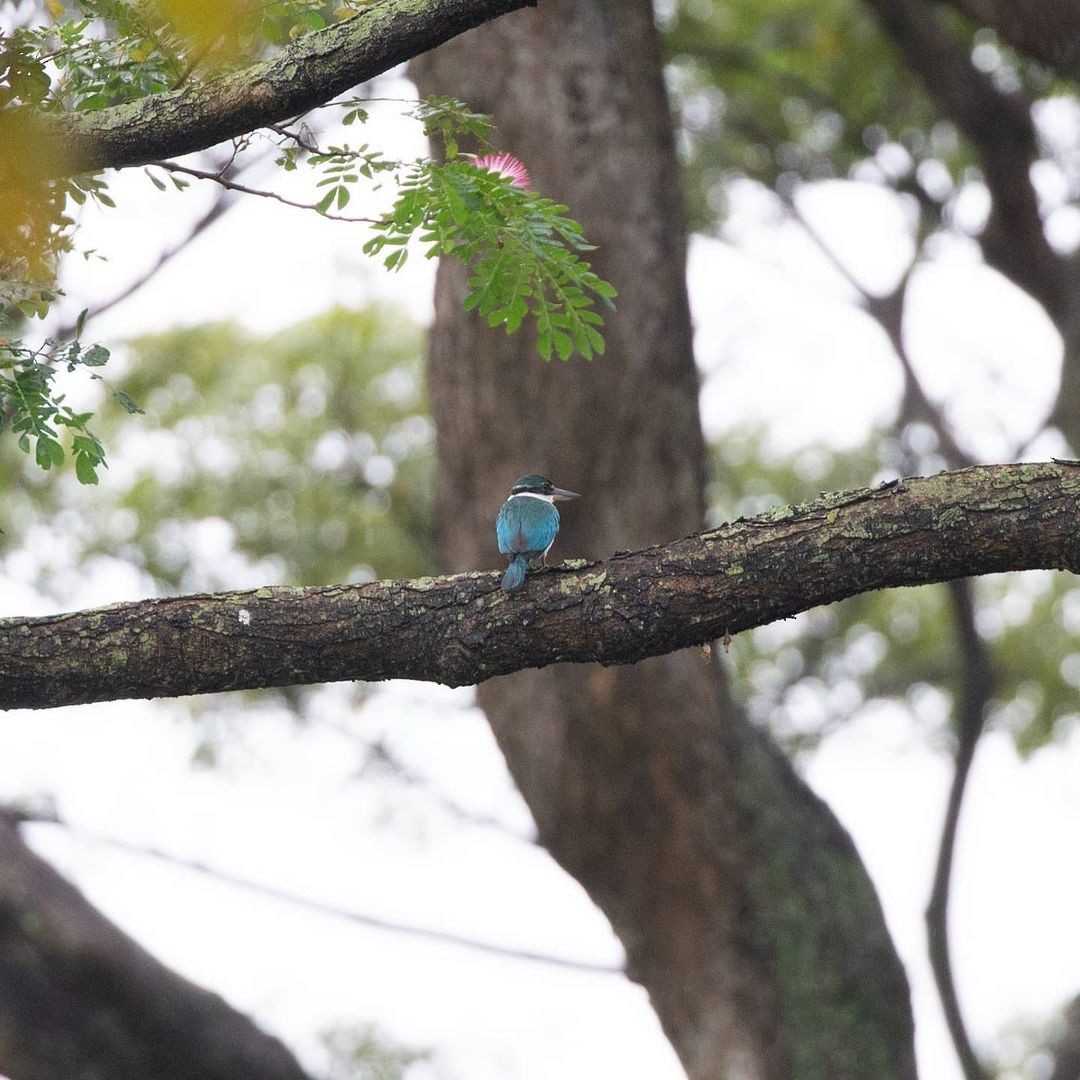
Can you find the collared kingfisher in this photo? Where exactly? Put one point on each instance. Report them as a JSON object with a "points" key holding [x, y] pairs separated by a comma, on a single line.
{"points": [[527, 525]]}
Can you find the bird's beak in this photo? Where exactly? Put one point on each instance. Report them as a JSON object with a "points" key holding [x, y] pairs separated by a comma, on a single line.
{"points": [[560, 493]]}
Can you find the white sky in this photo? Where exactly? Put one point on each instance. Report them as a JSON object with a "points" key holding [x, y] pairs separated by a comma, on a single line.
{"points": [[782, 346]]}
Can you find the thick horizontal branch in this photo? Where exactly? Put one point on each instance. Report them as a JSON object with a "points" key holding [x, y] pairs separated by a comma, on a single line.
{"points": [[464, 629], [308, 72]]}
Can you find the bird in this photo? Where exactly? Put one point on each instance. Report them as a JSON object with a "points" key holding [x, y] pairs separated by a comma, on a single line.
{"points": [[527, 525]]}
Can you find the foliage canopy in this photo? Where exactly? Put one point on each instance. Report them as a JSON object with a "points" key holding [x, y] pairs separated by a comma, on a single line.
{"points": [[526, 254]]}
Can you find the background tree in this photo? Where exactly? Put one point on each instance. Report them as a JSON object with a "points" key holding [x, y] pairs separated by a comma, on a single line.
{"points": [[645, 782], [1002, 107]]}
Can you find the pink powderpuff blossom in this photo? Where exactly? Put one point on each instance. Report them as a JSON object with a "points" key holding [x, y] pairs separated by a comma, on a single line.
{"points": [[505, 165]]}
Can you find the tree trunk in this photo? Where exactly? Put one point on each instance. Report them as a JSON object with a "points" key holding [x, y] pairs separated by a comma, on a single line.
{"points": [[79, 1000], [741, 903], [1067, 1050]]}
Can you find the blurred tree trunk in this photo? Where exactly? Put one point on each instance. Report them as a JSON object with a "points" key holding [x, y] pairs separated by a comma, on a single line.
{"points": [[1067, 1050], [79, 1000], [999, 126], [741, 902]]}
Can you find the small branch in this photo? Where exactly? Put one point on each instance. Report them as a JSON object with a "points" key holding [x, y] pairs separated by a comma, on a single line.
{"points": [[224, 201], [1047, 30], [838, 264], [974, 694], [232, 185], [296, 137], [372, 922], [888, 312], [382, 757], [1000, 127], [464, 629]]}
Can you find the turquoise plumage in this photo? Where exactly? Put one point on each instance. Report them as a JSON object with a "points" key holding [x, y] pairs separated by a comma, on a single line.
{"points": [[527, 525]]}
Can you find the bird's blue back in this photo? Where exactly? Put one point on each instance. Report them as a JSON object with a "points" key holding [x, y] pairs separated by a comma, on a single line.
{"points": [[526, 526]]}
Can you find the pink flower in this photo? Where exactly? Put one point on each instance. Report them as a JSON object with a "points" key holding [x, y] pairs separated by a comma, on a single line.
{"points": [[505, 165]]}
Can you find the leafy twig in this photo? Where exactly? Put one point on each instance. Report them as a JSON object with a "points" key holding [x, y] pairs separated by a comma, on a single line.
{"points": [[232, 185], [525, 254]]}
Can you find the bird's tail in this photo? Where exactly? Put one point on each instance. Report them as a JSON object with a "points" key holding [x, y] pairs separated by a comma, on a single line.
{"points": [[514, 577]]}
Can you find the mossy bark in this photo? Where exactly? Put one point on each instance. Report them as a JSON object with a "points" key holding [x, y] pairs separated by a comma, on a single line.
{"points": [[303, 75]]}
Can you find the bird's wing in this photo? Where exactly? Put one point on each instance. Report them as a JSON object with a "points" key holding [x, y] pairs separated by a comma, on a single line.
{"points": [[506, 527], [526, 526]]}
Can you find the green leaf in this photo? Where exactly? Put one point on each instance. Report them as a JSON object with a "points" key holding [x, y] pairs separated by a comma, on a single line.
{"points": [[48, 452], [564, 345], [84, 470], [95, 356], [126, 402]]}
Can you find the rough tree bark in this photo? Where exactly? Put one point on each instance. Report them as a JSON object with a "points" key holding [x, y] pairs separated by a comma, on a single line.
{"points": [[301, 76], [742, 905], [79, 1000], [464, 629]]}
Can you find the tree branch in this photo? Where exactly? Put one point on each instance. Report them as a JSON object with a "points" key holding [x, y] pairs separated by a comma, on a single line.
{"points": [[1000, 127], [79, 998], [974, 695], [358, 918], [224, 201], [232, 185], [305, 73], [888, 312], [1047, 30], [463, 629]]}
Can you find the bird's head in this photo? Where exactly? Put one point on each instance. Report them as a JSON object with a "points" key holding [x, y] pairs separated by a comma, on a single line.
{"points": [[534, 484]]}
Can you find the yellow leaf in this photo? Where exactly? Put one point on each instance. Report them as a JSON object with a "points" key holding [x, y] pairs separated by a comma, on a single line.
{"points": [[32, 221], [208, 24]]}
